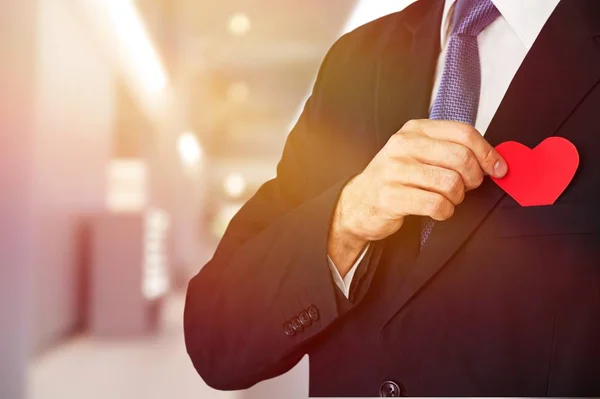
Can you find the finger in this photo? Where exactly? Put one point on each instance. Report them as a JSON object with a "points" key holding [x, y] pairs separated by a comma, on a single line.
{"points": [[488, 158], [404, 201], [432, 178], [444, 154]]}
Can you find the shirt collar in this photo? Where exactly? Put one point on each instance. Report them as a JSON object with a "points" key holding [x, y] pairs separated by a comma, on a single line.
{"points": [[526, 18]]}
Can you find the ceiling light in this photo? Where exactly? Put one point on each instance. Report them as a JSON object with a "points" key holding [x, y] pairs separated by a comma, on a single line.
{"points": [[189, 148], [235, 185], [239, 24]]}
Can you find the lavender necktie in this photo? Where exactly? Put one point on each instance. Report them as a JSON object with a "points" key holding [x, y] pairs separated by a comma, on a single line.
{"points": [[458, 94]]}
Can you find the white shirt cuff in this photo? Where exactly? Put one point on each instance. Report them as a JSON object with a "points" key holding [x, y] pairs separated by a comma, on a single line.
{"points": [[344, 283]]}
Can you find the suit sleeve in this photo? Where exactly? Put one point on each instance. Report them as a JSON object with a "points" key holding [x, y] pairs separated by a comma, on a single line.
{"points": [[253, 310]]}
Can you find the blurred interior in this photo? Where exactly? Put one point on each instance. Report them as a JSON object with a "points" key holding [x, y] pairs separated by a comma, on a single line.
{"points": [[131, 132]]}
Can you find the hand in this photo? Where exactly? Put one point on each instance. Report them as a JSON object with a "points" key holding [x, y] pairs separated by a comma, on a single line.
{"points": [[424, 169]]}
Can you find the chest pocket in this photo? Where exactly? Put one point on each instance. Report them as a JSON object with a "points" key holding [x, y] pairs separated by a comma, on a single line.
{"points": [[560, 218]]}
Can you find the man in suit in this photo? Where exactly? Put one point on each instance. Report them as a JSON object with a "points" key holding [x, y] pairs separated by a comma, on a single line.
{"points": [[383, 250]]}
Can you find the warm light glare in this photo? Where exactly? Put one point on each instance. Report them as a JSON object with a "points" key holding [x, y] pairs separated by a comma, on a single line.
{"points": [[238, 92], [365, 11], [239, 24], [235, 185], [189, 148], [135, 44], [369, 10]]}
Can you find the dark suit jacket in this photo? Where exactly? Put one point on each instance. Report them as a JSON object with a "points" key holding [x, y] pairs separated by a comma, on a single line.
{"points": [[503, 300]]}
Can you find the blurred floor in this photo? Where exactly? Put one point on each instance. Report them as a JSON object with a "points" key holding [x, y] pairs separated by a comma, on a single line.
{"points": [[149, 368]]}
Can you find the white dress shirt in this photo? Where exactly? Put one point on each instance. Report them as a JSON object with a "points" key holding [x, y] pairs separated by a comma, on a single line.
{"points": [[503, 46]]}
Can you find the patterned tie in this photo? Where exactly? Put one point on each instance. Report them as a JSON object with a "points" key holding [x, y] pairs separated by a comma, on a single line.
{"points": [[458, 95]]}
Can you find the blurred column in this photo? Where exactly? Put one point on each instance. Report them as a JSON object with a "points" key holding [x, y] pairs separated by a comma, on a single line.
{"points": [[17, 27]]}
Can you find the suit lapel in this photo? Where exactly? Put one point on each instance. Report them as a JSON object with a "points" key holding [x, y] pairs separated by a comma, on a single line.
{"points": [[561, 68]]}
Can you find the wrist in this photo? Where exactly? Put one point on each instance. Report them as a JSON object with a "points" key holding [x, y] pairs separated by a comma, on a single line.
{"points": [[346, 216], [344, 243], [343, 249], [344, 232]]}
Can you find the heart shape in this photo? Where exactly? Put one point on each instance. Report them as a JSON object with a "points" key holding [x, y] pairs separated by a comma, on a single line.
{"points": [[539, 176]]}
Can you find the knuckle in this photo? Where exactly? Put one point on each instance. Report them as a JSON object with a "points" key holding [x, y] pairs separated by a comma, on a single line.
{"points": [[453, 182], [461, 198], [440, 208], [404, 143], [472, 166], [473, 179], [478, 180], [466, 132], [411, 125], [427, 173], [463, 156], [391, 142], [435, 205], [442, 180], [455, 187], [398, 140], [449, 212]]}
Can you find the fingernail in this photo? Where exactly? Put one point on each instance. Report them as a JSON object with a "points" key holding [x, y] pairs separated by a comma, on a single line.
{"points": [[500, 169]]}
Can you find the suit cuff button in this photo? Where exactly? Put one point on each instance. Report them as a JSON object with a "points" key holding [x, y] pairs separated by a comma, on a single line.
{"points": [[289, 330], [296, 325], [305, 319], [313, 313]]}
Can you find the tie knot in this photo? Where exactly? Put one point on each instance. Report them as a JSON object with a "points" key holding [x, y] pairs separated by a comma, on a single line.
{"points": [[473, 16]]}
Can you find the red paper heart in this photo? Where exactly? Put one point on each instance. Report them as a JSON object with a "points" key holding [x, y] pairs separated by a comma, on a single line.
{"points": [[538, 176]]}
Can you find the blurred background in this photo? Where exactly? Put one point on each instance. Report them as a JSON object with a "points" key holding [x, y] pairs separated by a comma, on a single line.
{"points": [[131, 131]]}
